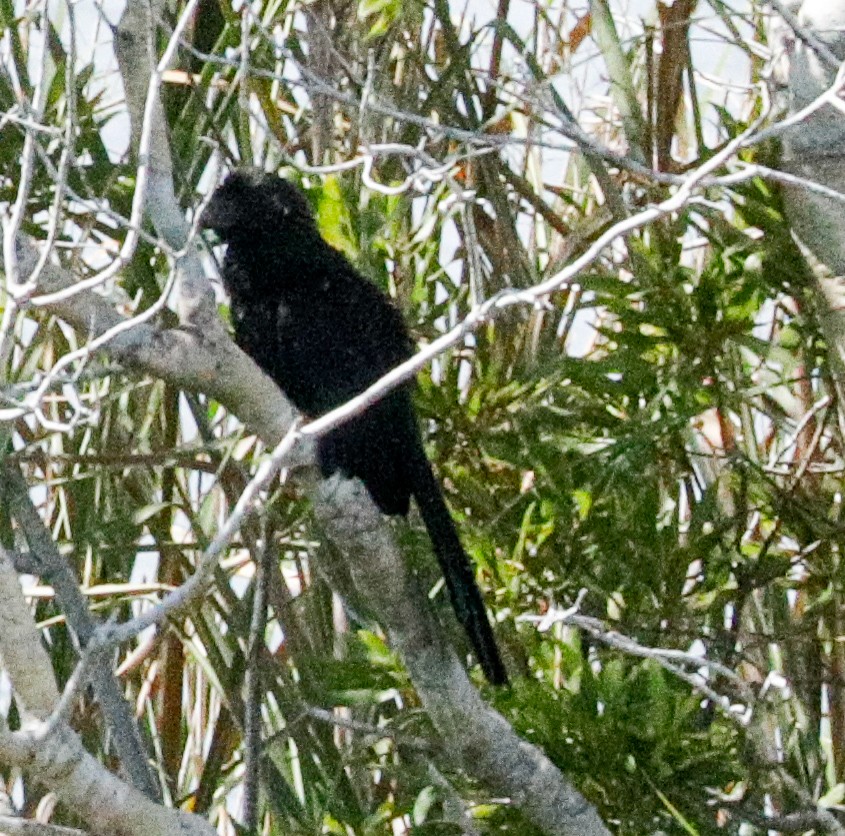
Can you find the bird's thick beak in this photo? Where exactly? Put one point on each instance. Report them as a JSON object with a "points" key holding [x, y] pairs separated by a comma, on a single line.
{"points": [[211, 219], [206, 220]]}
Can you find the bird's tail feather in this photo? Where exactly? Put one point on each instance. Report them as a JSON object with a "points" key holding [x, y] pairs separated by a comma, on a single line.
{"points": [[457, 570]]}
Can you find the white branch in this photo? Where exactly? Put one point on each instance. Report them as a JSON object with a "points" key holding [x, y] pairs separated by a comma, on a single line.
{"points": [[21, 652], [58, 762]]}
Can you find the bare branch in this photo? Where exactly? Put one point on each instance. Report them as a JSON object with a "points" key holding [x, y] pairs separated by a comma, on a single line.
{"points": [[195, 587], [151, 155], [479, 739], [55, 569], [810, 38], [12, 225], [21, 652], [58, 762], [15, 826]]}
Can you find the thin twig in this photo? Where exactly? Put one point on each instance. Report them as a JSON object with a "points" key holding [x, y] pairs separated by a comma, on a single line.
{"points": [[142, 175]]}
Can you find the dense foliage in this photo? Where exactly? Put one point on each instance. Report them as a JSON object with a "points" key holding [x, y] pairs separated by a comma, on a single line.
{"points": [[660, 439]]}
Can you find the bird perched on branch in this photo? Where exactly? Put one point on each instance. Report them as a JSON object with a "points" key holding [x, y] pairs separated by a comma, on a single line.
{"points": [[324, 334]]}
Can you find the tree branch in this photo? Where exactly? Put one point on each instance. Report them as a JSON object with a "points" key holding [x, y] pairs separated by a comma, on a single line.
{"points": [[47, 750], [480, 740], [54, 568], [58, 762], [21, 652]]}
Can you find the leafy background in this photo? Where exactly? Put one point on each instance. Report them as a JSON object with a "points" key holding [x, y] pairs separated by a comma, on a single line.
{"points": [[663, 437]]}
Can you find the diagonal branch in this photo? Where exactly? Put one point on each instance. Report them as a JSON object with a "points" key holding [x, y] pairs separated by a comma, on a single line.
{"points": [[21, 653], [479, 739], [54, 568], [58, 761], [47, 750]]}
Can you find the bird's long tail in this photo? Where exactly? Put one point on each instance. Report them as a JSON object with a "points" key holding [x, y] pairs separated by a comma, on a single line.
{"points": [[457, 569]]}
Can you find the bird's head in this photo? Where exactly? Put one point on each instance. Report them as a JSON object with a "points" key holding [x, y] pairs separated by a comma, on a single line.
{"points": [[251, 201]]}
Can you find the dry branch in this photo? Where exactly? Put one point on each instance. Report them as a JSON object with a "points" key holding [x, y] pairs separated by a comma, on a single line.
{"points": [[479, 739]]}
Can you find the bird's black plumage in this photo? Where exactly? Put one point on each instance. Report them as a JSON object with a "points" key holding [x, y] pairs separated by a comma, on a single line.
{"points": [[324, 333]]}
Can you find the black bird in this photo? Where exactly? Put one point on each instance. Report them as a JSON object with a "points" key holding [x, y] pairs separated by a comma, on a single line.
{"points": [[324, 333]]}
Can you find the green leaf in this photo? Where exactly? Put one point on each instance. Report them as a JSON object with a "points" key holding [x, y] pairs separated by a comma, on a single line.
{"points": [[334, 218]]}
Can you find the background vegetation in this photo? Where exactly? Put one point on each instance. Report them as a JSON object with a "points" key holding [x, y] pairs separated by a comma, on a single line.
{"points": [[659, 440]]}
